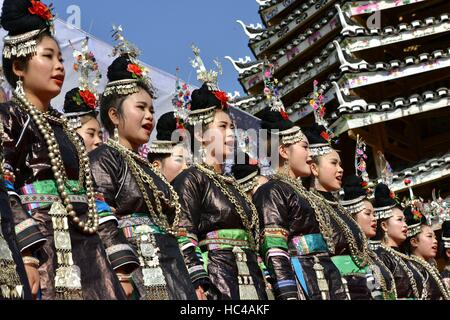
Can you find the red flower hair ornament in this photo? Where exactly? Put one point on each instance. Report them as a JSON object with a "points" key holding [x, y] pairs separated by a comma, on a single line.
{"points": [[135, 70], [41, 10], [222, 97]]}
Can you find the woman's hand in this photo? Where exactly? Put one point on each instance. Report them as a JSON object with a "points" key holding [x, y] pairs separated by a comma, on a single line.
{"points": [[200, 293], [125, 282], [33, 279], [127, 288]]}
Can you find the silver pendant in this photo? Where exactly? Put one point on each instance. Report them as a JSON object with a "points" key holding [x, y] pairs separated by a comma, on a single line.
{"points": [[58, 209], [62, 240], [5, 253], [68, 277], [147, 250], [153, 277]]}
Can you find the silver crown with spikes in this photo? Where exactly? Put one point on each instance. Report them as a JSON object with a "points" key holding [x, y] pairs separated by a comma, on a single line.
{"points": [[209, 77]]}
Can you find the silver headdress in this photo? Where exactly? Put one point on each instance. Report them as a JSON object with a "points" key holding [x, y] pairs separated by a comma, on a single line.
{"points": [[140, 74], [203, 75], [89, 79], [25, 44]]}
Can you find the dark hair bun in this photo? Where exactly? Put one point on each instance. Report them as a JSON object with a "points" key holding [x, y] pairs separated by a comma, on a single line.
{"points": [[412, 219], [446, 229], [166, 125], [383, 196], [16, 19], [71, 106], [245, 169], [118, 70], [273, 120], [353, 188], [314, 134], [203, 98]]}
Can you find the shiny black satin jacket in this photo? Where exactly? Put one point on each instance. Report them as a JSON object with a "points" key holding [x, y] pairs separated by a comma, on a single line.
{"points": [[340, 241], [26, 149], [402, 283], [114, 180], [434, 292], [280, 206], [27, 157], [205, 208], [209, 209], [283, 207]]}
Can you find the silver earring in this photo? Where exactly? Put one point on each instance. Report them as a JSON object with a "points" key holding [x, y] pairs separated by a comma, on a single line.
{"points": [[202, 154], [116, 134], [386, 237], [19, 88], [286, 168]]}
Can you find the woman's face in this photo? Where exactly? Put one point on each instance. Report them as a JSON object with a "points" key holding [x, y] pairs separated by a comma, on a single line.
{"points": [[328, 172], [425, 243], [299, 157], [44, 75], [92, 134], [172, 166], [395, 227], [366, 220], [219, 137], [136, 122]]}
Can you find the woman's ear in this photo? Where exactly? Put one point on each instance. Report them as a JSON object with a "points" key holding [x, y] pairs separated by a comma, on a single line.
{"points": [[414, 242], [384, 226], [114, 116], [283, 152], [18, 69], [314, 169], [157, 164]]}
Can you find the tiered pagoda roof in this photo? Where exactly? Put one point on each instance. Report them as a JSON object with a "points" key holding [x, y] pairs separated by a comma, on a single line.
{"points": [[383, 67]]}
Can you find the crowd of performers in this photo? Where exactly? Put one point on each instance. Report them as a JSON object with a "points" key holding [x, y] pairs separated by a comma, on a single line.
{"points": [[83, 219]]}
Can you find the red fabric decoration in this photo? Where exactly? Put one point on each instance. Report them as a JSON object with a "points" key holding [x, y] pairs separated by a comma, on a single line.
{"points": [[41, 10]]}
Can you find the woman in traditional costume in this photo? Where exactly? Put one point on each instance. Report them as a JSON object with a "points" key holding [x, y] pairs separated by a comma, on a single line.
{"points": [[14, 283], [356, 191], [47, 167], [351, 255], [80, 103], [168, 153], [295, 233], [392, 230], [138, 202], [356, 202], [219, 223], [422, 247]]}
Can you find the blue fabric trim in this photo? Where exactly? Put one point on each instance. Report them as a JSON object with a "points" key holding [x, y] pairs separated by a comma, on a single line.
{"points": [[102, 206], [284, 283], [9, 185], [299, 273]]}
